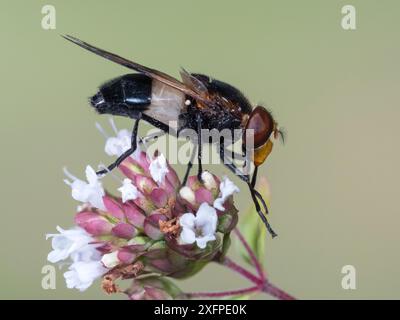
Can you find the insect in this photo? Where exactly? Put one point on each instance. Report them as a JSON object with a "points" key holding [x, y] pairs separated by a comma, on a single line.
{"points": [[197, 102]]}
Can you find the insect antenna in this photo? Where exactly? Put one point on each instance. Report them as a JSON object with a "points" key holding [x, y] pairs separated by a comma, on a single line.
{"points": [[281, 134]]}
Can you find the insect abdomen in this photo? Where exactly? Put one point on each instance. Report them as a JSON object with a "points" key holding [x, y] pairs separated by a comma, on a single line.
{"points": [[130, 89], [133, 93]]}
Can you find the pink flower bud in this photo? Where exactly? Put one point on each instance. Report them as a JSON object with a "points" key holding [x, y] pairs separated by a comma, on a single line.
{"points": [[145, 204], [203, 195], [133, 214], [193, 183], [143, 161], [145, 184], [126, 256], [173, 178], [114, 207], [130, 168], [159, 197], [124, 230], [93, 223]]}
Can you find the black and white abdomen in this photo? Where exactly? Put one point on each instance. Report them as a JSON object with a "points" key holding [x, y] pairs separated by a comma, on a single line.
{"points": [[132, 94]]}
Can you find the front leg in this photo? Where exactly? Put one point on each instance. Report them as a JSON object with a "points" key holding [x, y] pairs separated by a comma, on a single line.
{"points": [[127, 153], [253, 192]]}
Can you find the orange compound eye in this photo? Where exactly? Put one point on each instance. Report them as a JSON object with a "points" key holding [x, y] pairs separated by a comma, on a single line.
{"points": [[262, 125]]}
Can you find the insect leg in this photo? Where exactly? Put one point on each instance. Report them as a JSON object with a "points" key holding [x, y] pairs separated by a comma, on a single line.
{"points": [[200, 167], [231, 166], [254, 177], [260, 213], [189, 166], [150, 137], [127, 153], [254, 193], [245, 177]]}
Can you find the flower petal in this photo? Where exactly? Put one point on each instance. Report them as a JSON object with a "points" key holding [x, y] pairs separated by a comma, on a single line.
{"points": [[128, 190], [187, 236], [206, 215], [202, 241], [227, 188], [187, 220], [158, 168]]}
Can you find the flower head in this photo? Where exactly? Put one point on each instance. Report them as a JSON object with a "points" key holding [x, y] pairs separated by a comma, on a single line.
{"points": [[155, 227], [199, 228]]}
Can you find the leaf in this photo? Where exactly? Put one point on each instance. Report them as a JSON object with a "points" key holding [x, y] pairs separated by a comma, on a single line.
{"points": [[253, 229]]}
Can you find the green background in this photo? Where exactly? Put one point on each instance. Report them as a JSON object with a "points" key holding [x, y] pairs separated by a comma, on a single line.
{"points": [[335, 183]]}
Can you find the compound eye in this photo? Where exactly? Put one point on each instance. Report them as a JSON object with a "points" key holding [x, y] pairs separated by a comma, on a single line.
{"points": [[262, 124]]}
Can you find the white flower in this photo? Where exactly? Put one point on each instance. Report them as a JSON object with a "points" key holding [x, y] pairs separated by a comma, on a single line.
{"points": [[227, 188], [86, 254], [158, 168], [67, 243], [200, 228], [91, 191], [81, 274], [115, 146], [76, 244], [128, 190], [110, 260]]}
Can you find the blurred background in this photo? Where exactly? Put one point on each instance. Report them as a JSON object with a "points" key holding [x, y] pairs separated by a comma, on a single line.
{"points": [[335, 183]]}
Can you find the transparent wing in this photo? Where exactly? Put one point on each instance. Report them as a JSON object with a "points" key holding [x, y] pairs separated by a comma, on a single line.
{"points": [[152, 73]]}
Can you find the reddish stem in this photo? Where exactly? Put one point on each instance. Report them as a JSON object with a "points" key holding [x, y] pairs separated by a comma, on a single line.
{"points": [[276, 292], [223, 293], [251, 253], [227, 262], [260, 281]]}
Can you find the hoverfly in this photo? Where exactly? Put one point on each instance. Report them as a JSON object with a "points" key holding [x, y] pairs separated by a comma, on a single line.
{"points": [[197, 102]]}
